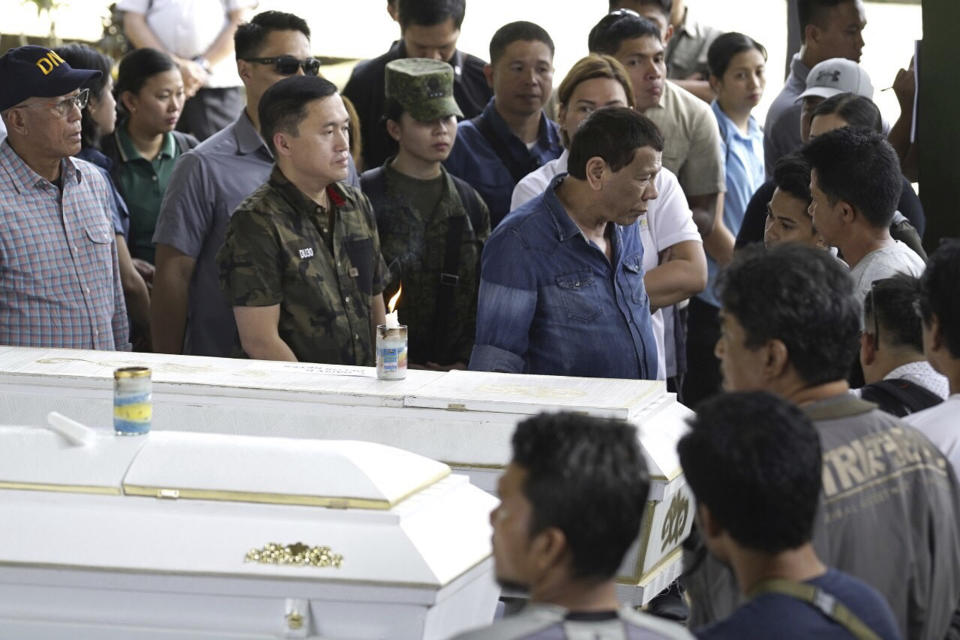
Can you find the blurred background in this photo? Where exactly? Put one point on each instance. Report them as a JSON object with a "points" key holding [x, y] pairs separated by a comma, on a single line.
{"points": [[347, 31]]}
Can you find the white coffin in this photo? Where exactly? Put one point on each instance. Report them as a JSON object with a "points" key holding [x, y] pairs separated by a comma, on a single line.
{"points": [[464, 419], [177, 535]]}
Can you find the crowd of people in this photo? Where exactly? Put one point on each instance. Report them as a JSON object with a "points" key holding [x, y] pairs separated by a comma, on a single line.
{"points": [[212, 194]]}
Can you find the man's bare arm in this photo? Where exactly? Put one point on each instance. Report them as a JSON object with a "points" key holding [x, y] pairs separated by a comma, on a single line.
{"points": [[706, 209], [258, 333], [682, 273], [223, 45], [171, 287]]}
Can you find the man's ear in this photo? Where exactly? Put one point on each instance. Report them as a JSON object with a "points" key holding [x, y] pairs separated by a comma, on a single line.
{"points": [[714, 82], [936, 334], [488, 74], [281, 142], [594, 170], [393, 128], [548, 549], [668, 34], [16, 121], [811, 33], [848, 213], [243, 69], [776, 359], [708, 524]]}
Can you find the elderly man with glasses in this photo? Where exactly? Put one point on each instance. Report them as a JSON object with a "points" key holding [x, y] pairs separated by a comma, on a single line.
{"points": [[59, 279], [190, 313]]}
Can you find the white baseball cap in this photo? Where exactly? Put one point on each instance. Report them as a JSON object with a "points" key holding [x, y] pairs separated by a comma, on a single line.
{"points": [[835, 76]]}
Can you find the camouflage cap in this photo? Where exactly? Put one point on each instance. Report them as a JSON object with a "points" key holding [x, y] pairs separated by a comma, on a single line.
{"points": [[424, 87]]}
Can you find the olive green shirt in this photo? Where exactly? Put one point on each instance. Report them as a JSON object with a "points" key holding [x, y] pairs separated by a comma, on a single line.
{"points": [[142, 184], [414, 244], [322, 269]]}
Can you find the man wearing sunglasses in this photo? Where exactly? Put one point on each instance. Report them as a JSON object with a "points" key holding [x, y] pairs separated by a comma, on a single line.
{"points": [[190, 314], [59, 279]]}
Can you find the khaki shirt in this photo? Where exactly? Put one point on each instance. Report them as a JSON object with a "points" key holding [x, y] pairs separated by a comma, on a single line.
{"points": [[687, 49], [692, 147], [281, 248]]}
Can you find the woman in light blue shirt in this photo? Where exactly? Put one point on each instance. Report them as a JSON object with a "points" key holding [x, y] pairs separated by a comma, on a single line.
{"points": [[736, 63]]}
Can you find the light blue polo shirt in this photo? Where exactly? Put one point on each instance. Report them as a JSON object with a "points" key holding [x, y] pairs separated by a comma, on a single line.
{"points": [[744, 171]]}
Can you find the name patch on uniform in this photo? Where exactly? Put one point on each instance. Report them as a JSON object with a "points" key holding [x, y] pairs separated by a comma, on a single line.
{"points": [[306, 253]]}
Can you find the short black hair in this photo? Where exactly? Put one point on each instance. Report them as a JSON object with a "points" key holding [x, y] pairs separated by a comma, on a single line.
{"points": [[427, 13], [860, 167], [890, 304], [520, 31], [725, 47], [791, 174], [614, 134], [801, 296], [856, 110], [140, 65], [755, 461], [80, 56], [250, 36], [284, 105], [587, 477], [813, 11], [666, 6], [940, 292], [608, 34]]}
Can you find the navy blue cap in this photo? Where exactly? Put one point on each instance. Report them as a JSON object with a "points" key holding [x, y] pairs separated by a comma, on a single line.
{"points": [[31, 71]]}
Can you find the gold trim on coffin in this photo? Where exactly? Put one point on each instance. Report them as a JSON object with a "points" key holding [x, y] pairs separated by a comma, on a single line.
{"points": [[333, 502], [60, 488], [297, 554]]}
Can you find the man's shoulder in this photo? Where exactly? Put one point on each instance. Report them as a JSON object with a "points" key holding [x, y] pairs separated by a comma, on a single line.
{"points": [[367, 72], [686, 102], [528, 623], [942, 415], [652, 626], [473, 64]]}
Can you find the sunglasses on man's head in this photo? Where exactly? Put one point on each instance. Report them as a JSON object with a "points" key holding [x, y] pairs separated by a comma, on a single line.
{"points": [[288, 65]]}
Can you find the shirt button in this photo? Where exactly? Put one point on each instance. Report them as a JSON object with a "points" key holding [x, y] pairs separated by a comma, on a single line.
{"points": [[96, 332], [86, 290], [154, 178], [356, 336], [347, 299]]}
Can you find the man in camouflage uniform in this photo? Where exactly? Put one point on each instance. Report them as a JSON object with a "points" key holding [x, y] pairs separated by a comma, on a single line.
{"points": [[301, 263], [432, 224]]}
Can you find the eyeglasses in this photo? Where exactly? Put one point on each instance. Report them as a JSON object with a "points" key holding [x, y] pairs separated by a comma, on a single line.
{"points": [[288, 65], [62, 107]]}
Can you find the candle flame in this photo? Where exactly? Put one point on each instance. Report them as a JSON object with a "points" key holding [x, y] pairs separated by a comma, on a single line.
{"points": [[393, 300]]}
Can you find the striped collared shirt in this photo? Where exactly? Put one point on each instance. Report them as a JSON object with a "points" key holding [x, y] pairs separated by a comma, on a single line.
{"points": [[59, 278]]}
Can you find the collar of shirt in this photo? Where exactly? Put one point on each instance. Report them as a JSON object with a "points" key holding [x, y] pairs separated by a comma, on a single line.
{"points": [[688, 26], [248, 139], [23, 178], [547, 137], [298, 200], [728, 129], [94, 155], [566, 228], [129, 152], [798, 74]]}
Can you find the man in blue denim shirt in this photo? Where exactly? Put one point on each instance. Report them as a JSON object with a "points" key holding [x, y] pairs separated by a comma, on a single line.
{"points": [[561, 284], [513, 136]]}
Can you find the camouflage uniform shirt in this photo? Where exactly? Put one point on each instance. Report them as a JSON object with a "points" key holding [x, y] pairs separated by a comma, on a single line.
{"points": [[281, 248], [414, 245]]}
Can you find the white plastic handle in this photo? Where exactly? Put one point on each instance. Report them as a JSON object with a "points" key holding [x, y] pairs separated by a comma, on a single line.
{"points": [[76, 433]]}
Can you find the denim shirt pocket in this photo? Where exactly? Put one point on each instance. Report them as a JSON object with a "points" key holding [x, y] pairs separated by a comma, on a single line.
{"points": [[579, 295], [633, 278]]}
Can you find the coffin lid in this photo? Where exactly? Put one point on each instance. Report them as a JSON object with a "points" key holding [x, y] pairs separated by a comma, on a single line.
{"points": [[339, 474]]}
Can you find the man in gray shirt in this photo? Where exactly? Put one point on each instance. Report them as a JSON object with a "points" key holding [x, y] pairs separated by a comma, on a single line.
{"points": [[189, 312], [889, 503], [830, 29], [571, 501]]}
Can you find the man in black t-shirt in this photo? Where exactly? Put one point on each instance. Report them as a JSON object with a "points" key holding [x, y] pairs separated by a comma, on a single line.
{"points": [[753, 461]]}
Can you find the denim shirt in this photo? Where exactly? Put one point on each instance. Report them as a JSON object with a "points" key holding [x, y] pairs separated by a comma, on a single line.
{"points": [[551, 303], [473, 159]]}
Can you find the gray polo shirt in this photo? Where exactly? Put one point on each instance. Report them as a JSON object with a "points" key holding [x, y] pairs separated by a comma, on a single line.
{"points": [[208, 183], [781, 130]]}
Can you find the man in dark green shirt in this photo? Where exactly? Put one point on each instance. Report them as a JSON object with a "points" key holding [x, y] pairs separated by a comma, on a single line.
{"points": [[301, 263]]}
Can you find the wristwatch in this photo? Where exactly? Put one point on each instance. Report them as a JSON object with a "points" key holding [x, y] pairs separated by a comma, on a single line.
{"points": [[203, 62]]}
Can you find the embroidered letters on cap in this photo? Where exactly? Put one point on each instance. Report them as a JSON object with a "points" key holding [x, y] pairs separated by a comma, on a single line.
{"points": [[48, 62]]}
